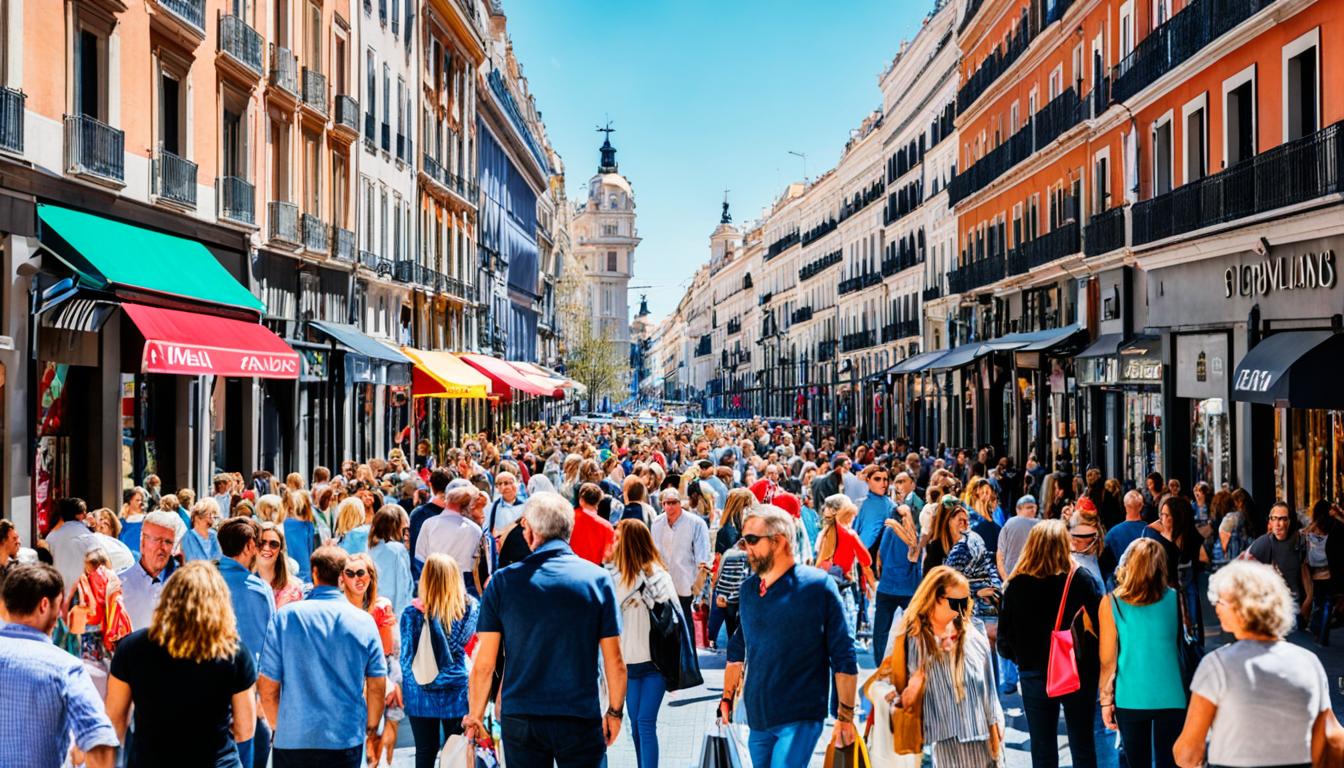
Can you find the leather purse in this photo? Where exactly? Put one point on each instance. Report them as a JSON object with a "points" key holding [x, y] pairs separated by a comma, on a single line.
{"points": [[907, 723], [1061, 673]]}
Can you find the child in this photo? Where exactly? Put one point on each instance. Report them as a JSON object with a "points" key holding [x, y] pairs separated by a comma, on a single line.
{"points": [[97, 614]]}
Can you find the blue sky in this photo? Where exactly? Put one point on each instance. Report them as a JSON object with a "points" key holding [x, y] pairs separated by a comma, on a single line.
{"points": [[704, 96]]}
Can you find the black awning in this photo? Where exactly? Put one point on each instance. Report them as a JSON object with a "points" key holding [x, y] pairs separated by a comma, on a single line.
{"points": [[1106, 345], [959, 356], [916, 363], [1292, 369], [1058, 340]]}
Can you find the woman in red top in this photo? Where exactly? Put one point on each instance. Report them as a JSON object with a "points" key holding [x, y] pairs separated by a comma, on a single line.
{"points": [[839, 546]]}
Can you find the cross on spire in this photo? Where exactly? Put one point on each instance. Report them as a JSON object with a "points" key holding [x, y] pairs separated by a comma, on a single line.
{"points": [[608, 162]]}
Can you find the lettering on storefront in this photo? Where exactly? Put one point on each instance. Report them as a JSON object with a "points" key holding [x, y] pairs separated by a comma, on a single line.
{"points": [[1143, 369], [269, 364], [1283, 273], [1253, 380]]}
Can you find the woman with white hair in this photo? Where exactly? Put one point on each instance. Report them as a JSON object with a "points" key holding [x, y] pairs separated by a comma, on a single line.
{"points": [[201, 542], [1259, 701]]}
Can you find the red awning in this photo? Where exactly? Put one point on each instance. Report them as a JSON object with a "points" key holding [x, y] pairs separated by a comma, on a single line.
{"points": [[196, 344], [504, 378]]}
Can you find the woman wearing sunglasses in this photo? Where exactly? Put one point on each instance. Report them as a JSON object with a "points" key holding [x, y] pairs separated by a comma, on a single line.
{"points": [[949, 673], [359, 582], [273, 566]]}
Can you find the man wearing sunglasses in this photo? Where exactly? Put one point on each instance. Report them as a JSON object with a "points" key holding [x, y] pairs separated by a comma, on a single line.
{"points": [[253, 600], [793, 635], [1284, 548]]}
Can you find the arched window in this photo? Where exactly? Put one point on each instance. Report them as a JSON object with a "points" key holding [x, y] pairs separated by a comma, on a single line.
{"points": [[612, 201]]}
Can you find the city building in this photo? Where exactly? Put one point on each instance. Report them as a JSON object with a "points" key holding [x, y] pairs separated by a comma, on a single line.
{"points": [[605, 237]]}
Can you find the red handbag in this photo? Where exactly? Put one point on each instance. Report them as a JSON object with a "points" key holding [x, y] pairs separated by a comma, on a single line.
{"points": [[1061, 673]]}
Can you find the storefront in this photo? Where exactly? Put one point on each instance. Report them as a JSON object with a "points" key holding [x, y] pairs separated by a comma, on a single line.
{"points": [[1203, 371], [363, 371], [1139, 378]]}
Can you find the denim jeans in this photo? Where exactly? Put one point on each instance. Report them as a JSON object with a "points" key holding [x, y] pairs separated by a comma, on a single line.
{"points": [[1007, 674], [540, 742], [1148, 735], [784, 746], [431, 734], [883, 612], [643, 699], [319, 758], [1108, 754], [1043, 722]]}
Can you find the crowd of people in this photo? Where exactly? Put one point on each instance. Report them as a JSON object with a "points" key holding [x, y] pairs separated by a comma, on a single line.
{"points": [[513, 593]]}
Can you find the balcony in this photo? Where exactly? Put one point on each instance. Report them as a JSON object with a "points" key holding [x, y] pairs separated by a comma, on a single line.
{"points": [[173, 179], [852, 342], [734, 326], [1054, 245], [240, 42], [315, 90], [236, 200], [826, 351], [315, 234], [859, 282], [342, 245], [1183, 36], [932, 293], [462, 290], [284, 222], [413, 272], [11, 119], [976, 274], [1062, 113], [765, 298], [1296, 172], [94, 148], [820, 265], [702, 348], [190, 12], [347, 115], [782, 244], [821, 230], [802, 315], [994, 164], [1105, 232], [368, 259], [386, 137], [284, 71]]}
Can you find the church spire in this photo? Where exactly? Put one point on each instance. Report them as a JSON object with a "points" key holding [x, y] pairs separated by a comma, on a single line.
{"points": [[726, 218], [608, 163]]}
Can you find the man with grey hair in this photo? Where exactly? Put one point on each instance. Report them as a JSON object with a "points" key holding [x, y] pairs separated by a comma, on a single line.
{"points": [[142, 583], [793, 635], [452, 533], [682, 539], [549, 614], [1121, 536]]}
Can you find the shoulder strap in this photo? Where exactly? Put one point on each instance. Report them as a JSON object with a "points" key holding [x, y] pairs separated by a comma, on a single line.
{"points": [[1064, 598]]}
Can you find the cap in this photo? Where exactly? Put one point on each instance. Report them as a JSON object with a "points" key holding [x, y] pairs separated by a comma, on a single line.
{"points": [[1025, 500]]}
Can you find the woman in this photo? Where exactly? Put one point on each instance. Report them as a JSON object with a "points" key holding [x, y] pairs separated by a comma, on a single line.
{"points": [[359, 582], [270, 508], [436, 709], [133, 503], [1203, 493], [1088, 539], [1242, 525], [700, 500], [201, 542], [1142, 694], [191, 648], [1259, 701], [1175, 531], [273, 566], [641, 581], [950, 523], [725, 541], [1325, 562], [352, 530], [1054, 496], [839, 548], [1112, 510], [637, 507], [389, 555], [569, 476], [1031, 602], [972, 559], [949, 666], [1220, 507], [300, 529], [324, 508]]}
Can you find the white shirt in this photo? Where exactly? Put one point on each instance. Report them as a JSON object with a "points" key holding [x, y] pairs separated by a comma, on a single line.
{"points": [[140, 592], [684, 547], [118, 554], [635, 605], [453, 535], [68, 545], [504, 514]]}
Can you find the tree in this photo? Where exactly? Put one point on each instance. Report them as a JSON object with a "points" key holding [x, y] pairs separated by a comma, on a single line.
{"points": [[591, 359]]}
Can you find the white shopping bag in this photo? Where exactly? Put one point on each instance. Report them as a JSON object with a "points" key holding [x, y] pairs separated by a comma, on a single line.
{"points": [[457, 752], [881, 749], [896, 620]]}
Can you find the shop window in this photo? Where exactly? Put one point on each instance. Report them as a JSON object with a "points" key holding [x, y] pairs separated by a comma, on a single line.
{"points": [[1239, 117], [1301, 94]]}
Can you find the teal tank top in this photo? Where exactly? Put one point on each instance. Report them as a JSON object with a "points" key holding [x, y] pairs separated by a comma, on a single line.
{"points": [[1148, 674]]}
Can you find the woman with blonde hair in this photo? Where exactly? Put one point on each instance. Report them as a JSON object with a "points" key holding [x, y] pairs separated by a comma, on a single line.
{"points": [[941, 663], [191, 645], [1041, 594], [273, 566], [359, 582], [569, 476], [294, 481], [352, 533], [1141, 691], [270, 508], [300, 527], [200, 541], [436, 708]]}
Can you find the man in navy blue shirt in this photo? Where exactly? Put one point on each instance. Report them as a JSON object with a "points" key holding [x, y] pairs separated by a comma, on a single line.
{"points": [[1121, 536], [253, 605], [793, 635], [549, 613]]}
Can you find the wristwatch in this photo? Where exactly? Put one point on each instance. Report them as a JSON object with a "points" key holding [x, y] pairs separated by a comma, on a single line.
{"points": [[619, 714]]}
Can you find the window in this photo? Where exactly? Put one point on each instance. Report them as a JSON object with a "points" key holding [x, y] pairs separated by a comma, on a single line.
{"points": [[1056, 84], [1101, 182], [382, 224], [339, 63], [313, 40], [1301, 86], [172, 114], [611, 261], [370, 93], [233, 135], [368, 215], [312, 174], [396, 222], [338, 190], [1161, 11], [90, 81], [280, 23], [1126, 28], [1239, 117], [1162, 153], [1194, 119], [280, 160], [396, 16], [387, 95]]}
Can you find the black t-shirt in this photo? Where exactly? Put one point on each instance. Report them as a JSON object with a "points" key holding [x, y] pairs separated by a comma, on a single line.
{"points": [[514, 548], [183, 709]]}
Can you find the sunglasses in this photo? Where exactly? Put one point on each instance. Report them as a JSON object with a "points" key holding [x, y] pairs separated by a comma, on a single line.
{"points": [[752, 539], [268, 544], [1272, 518], [359, 574], [1092, 535], [881, 480], [957, 604]]}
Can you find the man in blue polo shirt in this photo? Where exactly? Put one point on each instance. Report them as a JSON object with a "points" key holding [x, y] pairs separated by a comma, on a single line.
{"points": [[321, 655], [253, 605], [550, 614], [793, 635]]}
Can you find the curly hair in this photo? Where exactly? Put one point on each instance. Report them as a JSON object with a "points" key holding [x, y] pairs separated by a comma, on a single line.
{"points": [[194, 618], [1258, 595]]}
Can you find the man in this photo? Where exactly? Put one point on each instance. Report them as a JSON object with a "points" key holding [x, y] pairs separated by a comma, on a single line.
{"points": [[593, 535], [142, 583], [683, 542], [451, 533], [504, 520], [321, 656], [48, 694], [898, 572], [153, 490], [710, 479], [1285, 549], [875, 508], [832, 482], [792, 636], [253, 604], [550, 614], [1013, 537], [438, 488], [9, 548], [71, 539], [905, 492], [1121, 536]]}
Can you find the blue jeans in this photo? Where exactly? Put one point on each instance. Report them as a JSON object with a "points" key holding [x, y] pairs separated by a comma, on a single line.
{"points": [[543, 742], [644, 697], [883, 613], [1043, 722], [1007, 673], [319, 758], [260, 745], [784, 746], [1148, 735]]}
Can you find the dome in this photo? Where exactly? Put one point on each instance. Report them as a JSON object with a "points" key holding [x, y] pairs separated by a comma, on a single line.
{"points": [[612, 181]]}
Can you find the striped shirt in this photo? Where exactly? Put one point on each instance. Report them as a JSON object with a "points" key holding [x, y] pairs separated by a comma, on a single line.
{"points": [[732, 571], [944, 716]]}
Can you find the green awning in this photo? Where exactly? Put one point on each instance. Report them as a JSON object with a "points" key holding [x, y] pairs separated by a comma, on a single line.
{"points": [[108, 254]]}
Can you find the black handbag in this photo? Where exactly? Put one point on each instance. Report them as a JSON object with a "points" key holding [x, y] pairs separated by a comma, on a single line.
{"points": [[1189, 646], [670, 647]]}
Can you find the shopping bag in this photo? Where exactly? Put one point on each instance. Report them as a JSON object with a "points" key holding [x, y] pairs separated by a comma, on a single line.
{"points": [[881, 744], [720, 749], [853, 756], [701, 614], [1061, 672], [457, 752], [671, 649]]}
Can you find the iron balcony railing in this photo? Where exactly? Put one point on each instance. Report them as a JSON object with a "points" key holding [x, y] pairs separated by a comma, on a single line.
{"points": [[817, 266], [858, 340], [802, 314], [368, 259], [821, 230], [190, 11], [976, 274], [284, 70], [343, 244], [902, 329], [1054, 245], [859, 282], [1062, 113], [315, 90], [240, 41], [703, 347], [236, 199], [825, 351], [734, 326], [408, 271], [1105, 232], [94, 148], [765, 298], [174, 178], [782, 244], [11, 119], [1291, 173], [347, 112], [1179, 39], [283, 219], [932, 293], [315, 234], [461, 289], [434, 169], [994, 164]]}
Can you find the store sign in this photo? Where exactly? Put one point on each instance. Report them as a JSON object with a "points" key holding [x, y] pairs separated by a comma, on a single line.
{"points": [[1202, 365], [1141, 362], [195, 360], [1305, 271]]}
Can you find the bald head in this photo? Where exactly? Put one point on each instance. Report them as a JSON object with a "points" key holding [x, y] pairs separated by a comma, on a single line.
{"points": [[1133, 506]]}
